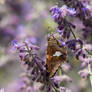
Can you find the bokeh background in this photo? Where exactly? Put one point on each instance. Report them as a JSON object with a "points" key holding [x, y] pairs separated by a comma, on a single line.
{"points": [[30, 20]]}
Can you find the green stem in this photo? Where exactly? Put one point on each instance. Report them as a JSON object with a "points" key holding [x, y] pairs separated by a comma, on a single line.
{"points": [[60, 71], [88, 52], [67, 23], [90, 73], [53, 86], [72, 31], [89, 69], [29, 51]]}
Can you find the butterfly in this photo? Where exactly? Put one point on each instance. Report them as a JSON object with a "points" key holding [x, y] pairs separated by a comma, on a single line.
{"points": [[56, 55]]}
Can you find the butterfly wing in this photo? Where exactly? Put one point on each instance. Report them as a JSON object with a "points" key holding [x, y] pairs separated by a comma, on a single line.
{"points": [[56, 55]]}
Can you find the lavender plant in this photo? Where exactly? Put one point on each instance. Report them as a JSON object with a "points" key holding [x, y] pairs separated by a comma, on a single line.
{"points": [[35, 67], [36, 71]]}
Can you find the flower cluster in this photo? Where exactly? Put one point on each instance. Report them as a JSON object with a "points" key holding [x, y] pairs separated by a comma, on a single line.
{"points": [[59, 15], [61, 12], [36, 71]]}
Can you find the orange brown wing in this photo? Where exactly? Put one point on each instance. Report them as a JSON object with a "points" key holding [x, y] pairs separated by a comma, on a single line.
{"points": [[53, 60]]}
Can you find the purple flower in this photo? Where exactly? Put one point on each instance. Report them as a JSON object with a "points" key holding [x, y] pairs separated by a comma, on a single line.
{"points": [[67, 11], [63, 89], [84, 73], [59, 31], [72, 11], [2, 90], [61, 12], [72, 43], [32, 40], [62, 78], [15, 43], [54, 9], [66, 67], [79, 52]]}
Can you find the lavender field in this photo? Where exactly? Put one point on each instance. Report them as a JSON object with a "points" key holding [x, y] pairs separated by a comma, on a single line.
{"points": [[45, 45]]}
